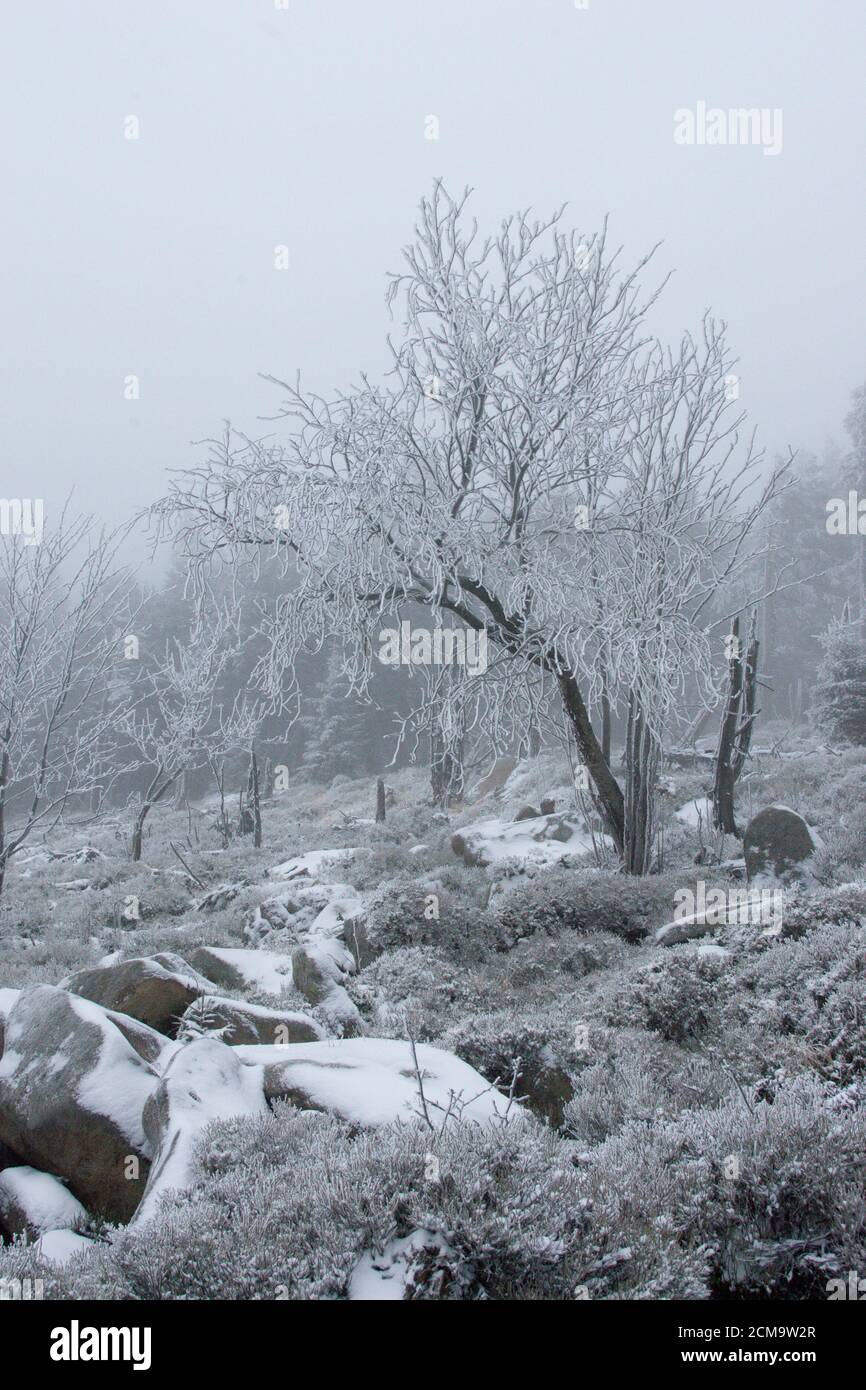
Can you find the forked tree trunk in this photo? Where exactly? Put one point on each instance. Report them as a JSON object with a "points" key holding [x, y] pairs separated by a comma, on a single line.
{"points": [[180, 790], [154, 794]]}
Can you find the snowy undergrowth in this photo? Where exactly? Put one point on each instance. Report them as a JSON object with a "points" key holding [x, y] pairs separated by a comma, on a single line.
{"points": [[661, 1065]]}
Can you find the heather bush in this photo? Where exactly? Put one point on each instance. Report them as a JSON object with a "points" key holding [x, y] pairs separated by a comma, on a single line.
{"points": [[413, 990], [624, 1077], [746, 1199], [527, 1054], [411, 911], [582, 902], [285, 1207], [678, 997], [768, 1198], [811, 990], [804, 911]]}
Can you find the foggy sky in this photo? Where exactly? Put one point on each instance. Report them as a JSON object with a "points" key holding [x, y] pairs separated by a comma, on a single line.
{"points": [[306, 127]]}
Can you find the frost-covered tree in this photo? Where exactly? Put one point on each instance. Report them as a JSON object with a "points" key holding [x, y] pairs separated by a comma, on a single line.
{"points": [[335, 729], [178, 723], [64, 605], [840, 692], [535, 468], [855, 424]]}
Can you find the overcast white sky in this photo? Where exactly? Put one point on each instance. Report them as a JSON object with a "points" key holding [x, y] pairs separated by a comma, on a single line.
{"points": [[305, 126]]}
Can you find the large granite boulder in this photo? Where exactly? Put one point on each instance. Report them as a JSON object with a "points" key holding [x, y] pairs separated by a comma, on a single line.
{"points": [[204, 1081], [374, 1081], [778, 847], [72, 1092], [32, 1202], [535, 842], [244, 968], [156, 990], [322, 964], [239, 1023], [8, 999]]}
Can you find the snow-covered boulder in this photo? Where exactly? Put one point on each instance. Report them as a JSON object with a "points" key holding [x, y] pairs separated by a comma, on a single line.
{"points": [[204, 1081], [147, 1042], [240, 1023], [243, 968], [536, 842], [8, 999], [313, 864], [72, 1092], [61, 1246], [32, 1202], [373, 1081], [294, 909], [156, 990], [218, 897], [326, 959], [779, 846], [369, 1081], [697, 813], [698, 924]]}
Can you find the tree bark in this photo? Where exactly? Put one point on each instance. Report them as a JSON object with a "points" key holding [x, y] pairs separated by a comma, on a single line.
{"points": [[446, 759], [605, 721], [255, 800], [154, 794], [735, 734], [642, 756], [138, 830], [607, 792], [380, 802]]}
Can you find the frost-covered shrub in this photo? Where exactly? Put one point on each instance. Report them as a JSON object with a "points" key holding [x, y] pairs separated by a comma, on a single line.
{"points": [[843, 854], [811, 989], [414, 989], [740, 1200], [285, 1207], [625, 1077], [561, 899], [529, 1056], [677, 997], [547, 967], [768, 1198], [806, 911], [429, 990], [41, 960], [411, 911]]}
